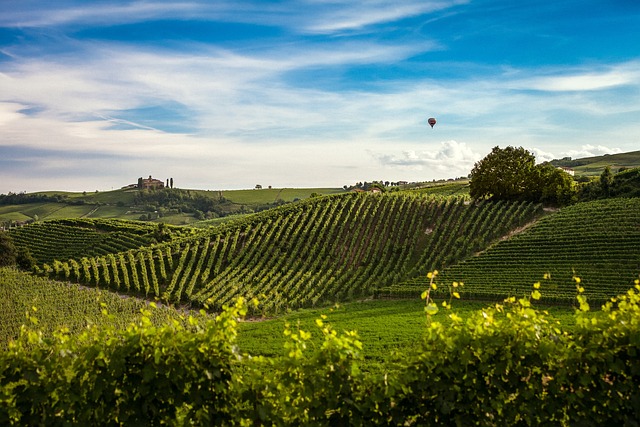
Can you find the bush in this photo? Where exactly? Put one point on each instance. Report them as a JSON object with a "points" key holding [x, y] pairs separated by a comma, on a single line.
{"points": [[506, 365]]}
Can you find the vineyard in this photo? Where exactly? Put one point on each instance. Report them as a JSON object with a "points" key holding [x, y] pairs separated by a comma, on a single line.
{"points": [[72, 238], [319, 250], [599, 242], [57, 305]]}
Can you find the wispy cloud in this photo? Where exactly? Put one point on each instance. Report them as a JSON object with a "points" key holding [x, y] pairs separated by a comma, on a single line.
{"points": [[36, 14], [313, 16], [586, 80], [338, 16]]}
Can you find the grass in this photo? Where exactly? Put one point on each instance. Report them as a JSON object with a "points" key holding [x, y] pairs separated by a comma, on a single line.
{"points": [[109, 211], [71, 211], [595, 165], [270, 195], [387, 328]]}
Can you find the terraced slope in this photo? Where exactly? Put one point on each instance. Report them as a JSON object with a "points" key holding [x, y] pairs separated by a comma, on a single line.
{"points": [[597, 241], [325, 249], [59, 305], [73, 238]]}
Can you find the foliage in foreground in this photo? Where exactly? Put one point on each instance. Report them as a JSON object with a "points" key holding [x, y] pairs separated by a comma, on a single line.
{"points": [[505, 365]]}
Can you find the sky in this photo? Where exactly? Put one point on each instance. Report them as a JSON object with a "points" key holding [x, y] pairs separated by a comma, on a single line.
{"points": [[317, 93]]}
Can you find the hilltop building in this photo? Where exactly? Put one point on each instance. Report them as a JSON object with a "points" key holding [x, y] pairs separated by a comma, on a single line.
{"points": [[149, 183], [567, 170]]}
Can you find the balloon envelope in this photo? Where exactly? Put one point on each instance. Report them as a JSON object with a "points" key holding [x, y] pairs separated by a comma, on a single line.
{"points": [[432, 121]]}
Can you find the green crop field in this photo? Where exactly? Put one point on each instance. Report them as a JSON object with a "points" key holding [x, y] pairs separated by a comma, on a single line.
{"points": [[58, 305], [453, 188], [313, 252], [126, 204], [72, 238], [599, 242], [320, 268]]}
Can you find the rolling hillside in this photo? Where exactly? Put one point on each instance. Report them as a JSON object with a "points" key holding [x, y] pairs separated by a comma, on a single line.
{"points": [[315, 251], [593, 166], [171, 206], [73, 238], [58, 305], [598, 241]]}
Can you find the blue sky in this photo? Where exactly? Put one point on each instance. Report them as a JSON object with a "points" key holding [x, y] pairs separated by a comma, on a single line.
{"points": [[230, 94]]}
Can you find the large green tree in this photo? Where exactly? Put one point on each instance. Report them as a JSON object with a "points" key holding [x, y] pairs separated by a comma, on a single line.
{"points": [[512, 174], [504, 174], [552, 186]]}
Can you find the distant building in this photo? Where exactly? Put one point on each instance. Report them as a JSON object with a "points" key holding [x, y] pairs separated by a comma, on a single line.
{"points": [[567, 170], [149, 183]]}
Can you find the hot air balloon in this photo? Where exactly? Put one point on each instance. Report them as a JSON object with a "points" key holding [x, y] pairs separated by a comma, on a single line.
{"points": [[432, 121]]}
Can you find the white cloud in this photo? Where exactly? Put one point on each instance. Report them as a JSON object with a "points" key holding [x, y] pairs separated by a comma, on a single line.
{"points": [[589, 80], [542, 156], [9, 112], [259, 111], [451, 158], [60, 13], [356, 15], [318, 17]]}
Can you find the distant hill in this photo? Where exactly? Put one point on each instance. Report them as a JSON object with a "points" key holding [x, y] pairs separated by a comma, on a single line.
{"points": [[172, 206], [592, 166]]}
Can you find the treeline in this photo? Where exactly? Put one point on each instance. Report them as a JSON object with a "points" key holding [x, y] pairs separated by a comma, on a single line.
{"points": [[625, 183], [506, 365], [24, 198]]}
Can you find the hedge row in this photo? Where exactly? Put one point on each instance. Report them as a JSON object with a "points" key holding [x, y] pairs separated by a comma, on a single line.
{"points": [[506, 365]]}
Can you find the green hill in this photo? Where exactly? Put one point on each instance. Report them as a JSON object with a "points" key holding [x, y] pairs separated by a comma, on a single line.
{"points": [[593, 166], [599, 242], [73, 238], [315, 251], [171, 206], [58, 305]]}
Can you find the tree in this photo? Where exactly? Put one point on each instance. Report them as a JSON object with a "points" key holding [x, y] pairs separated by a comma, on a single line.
{"points": [[606, 181], [504, 174], [511, 174], [554, 186], [8, 252], [25, 259], [171, 182]]}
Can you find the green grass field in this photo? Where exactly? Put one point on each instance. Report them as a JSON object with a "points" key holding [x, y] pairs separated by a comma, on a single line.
{"points": [[388, 329], [270, 195]]}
